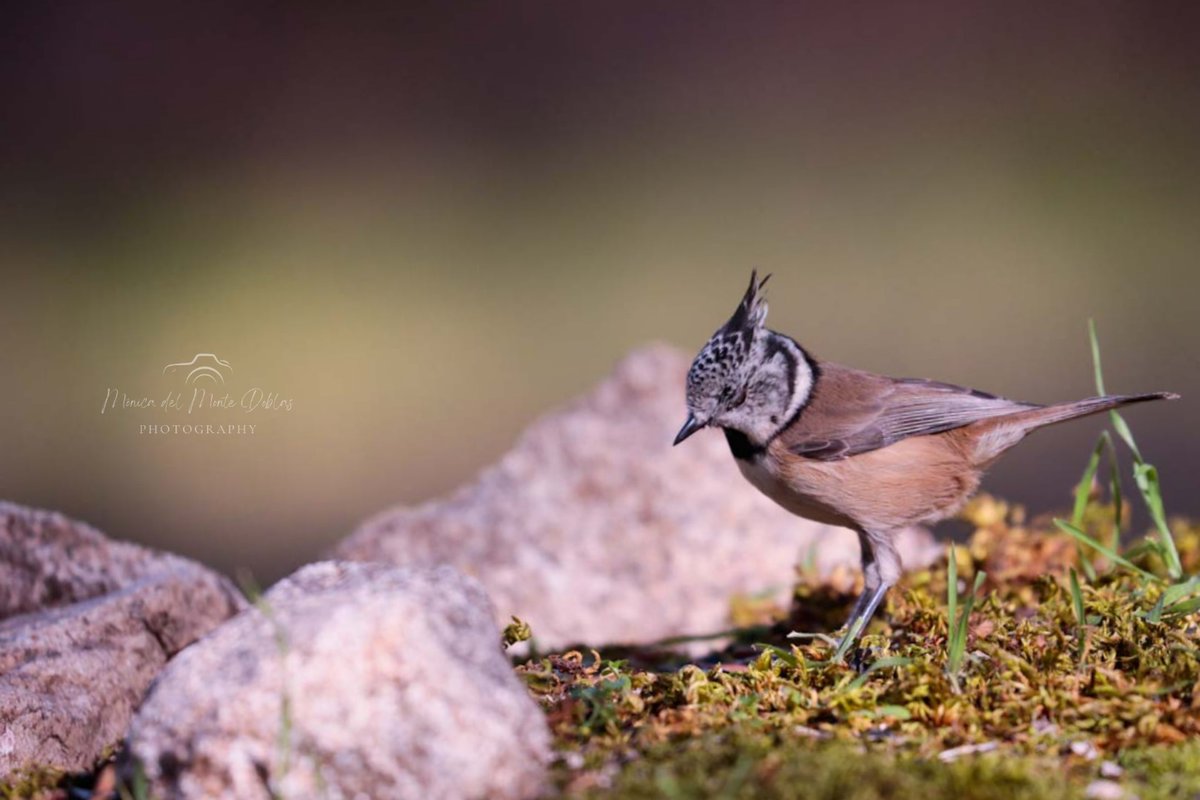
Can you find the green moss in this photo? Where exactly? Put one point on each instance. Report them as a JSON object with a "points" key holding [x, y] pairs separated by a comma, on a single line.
{"points": [[515, 631], [1050, 698], [1159, 773], [745, 763], [30, 784]]}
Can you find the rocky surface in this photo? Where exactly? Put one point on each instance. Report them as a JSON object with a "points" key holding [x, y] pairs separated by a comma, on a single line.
{"points": [[594, 529], [48, 560], [349, 680], [85, 625]]}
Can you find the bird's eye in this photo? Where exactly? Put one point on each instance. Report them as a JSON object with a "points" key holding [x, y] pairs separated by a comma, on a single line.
{"points": [[728, 398]]}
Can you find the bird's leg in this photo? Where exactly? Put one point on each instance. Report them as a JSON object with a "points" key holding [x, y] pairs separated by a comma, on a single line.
{"points": [[870, 582], [856, 626], [881, 569], [871, 579]]}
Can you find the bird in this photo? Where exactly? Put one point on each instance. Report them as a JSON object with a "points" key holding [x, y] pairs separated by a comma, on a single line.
{"points": [[852, 448]]}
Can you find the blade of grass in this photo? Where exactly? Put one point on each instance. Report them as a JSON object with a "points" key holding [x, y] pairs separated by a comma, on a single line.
{"points": [[1082, 494], [1144, 475], [1142, 548], [832, 641], [1112, 555], [1176, 600], [958, 623], [1080, 615], [1122, 428], [254, 594], [1178, 591], [899, 712], [1155, 614], [1184, 608], [1114, 490], [1099, 373], [1077, 598], [883, 663], [1084, 490], [951, 592], [848, 640], [964, 620], [786, 656]]}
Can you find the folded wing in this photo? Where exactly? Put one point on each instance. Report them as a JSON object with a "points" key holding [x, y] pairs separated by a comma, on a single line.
{"points": [[854, 412]]}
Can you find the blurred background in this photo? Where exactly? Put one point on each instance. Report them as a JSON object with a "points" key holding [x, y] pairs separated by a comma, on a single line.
{"points": [[427, 224]]}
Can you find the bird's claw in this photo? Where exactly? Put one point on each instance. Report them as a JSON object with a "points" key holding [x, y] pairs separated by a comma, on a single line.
{"points": [[861, 658]]}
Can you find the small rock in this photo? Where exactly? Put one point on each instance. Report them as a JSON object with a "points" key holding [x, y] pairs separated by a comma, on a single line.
{"points": [[351, 680], [955, 753], [1085, 750], [1111, 770], [1107, 790], [87, 623], [593, 528], [810, 733], [48, 560], [1044, 727]]}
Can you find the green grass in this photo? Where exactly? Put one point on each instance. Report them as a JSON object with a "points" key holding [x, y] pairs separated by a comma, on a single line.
{"points": [[1080, 613], [285, 736], [1177, 598], [1145, 475], [957, 625], [138, 788], [1108, 552]]}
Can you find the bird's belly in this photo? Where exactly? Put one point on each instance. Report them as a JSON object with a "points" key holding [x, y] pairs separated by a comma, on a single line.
{"points": [[760, 474]]}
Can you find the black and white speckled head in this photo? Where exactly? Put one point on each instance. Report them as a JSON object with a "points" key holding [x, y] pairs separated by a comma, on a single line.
{"points": [[747, 378]]}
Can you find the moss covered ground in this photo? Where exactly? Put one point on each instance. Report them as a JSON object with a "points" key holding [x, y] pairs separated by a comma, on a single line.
{"points": [[1057, 694]]}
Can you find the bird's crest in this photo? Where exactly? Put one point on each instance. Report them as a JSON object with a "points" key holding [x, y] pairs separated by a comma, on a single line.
{"points": [[751, 313]]}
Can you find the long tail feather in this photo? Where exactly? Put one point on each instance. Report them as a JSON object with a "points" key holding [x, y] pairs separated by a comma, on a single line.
{"points": [[997, 434], [1061, 412]]}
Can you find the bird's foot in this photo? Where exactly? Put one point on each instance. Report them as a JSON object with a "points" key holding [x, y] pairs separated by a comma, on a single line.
{"points": [[861, 658]]}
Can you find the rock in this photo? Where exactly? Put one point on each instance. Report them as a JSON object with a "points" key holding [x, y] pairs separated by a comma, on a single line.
{"points": [[48, 560], [351, 680], [87, 624], [1106, 790], [594, 529]]}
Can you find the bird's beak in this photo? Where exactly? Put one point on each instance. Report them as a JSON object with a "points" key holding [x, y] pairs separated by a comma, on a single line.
{"points": [[691, 426]]}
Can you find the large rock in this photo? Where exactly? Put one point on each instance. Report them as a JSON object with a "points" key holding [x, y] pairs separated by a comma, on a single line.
{"points": [[86, 625], [353, 680], [594, 529]]}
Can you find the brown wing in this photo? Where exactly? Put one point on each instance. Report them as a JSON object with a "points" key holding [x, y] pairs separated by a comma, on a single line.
{"points": [[853, 412]]}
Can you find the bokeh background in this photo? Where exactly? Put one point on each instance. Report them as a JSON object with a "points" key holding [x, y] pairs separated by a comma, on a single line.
{"points": [[428, 223]]}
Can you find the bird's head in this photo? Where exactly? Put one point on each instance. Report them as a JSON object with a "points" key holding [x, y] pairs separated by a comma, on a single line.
{"points": [[745, 377]]}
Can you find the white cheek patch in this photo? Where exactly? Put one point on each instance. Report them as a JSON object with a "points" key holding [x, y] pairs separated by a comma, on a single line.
{"points": [[802, 384]]}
